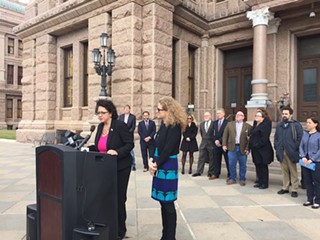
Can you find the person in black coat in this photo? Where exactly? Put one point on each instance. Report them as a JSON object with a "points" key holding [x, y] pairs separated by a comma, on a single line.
{"points": [[261, 148], [189, 143], [113, 137], [163, 165], [146, 130], [219, 125]]}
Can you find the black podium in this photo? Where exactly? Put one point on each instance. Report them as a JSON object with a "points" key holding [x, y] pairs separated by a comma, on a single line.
{"points": [[73, 189]]}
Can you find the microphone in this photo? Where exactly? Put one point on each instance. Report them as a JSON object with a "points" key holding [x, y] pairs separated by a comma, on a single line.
{"points": [[86, 139], [70, 138]]}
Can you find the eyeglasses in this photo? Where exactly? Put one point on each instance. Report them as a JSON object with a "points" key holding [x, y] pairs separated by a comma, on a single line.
{"points": [[101, 113], [159, 110]]}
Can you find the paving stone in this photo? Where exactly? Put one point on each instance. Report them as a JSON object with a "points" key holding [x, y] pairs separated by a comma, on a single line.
{"points": [[272, 230]]}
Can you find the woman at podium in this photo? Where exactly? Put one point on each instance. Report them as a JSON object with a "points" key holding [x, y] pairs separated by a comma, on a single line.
{"points": [[113, 137], [163, 165]]}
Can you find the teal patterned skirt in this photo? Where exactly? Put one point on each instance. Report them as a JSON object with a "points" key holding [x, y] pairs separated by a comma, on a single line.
{"points": [[165, 181]]}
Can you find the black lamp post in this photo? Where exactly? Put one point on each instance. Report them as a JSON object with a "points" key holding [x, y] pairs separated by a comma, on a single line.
{"points": [[101, 68]]}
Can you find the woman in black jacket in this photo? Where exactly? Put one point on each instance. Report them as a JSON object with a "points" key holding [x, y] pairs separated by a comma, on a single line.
{"points": [[261, 148], [113, 137], [189, 143], [163, 165]]}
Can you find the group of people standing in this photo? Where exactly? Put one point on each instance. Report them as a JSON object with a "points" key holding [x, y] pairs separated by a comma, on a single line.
{"points": [[234, 140]]}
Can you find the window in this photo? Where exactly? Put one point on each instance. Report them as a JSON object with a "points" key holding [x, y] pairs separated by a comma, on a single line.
{"points": [[191, 74], [85, 74], [20, 48], [10, 74], [19, 108], [20, 74], [10, 46], [9, 113], [68, 76]]}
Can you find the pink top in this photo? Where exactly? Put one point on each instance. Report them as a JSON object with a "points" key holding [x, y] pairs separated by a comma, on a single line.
{"points": [[102, 144]]}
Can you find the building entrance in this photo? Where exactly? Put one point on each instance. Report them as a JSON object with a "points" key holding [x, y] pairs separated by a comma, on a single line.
{"points": [[308, 87], [237, 88]]}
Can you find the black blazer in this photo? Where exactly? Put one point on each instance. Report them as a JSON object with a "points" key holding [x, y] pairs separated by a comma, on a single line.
{"points": [[217, 134], [120, 140], [143, 132], [131, 121], [168, 140]]}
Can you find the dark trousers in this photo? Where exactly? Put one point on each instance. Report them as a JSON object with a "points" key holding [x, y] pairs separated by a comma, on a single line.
{"points": [[218, 152], [169, 221], [205, 153], [312, 182], [262, 171], [144, 153], [123, 179]]}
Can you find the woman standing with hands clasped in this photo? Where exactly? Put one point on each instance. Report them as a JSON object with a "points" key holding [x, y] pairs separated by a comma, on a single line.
{"points": [[163, 165], [261, 148], [310, 154], [189, 143]]}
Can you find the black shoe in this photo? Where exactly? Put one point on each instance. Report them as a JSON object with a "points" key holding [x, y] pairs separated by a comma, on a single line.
{"points": [[196, 175], [134, 168], [306, 204], [263, 187], [282, 191], [294, 194], [257, 185], [182, 172]]}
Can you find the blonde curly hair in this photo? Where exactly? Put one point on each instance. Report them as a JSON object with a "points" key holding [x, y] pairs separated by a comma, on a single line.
{"points": [[176, 113]]}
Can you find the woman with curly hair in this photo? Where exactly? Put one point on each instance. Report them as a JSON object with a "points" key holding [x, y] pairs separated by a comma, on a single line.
{"points": [[189, 143], [163, 165]]}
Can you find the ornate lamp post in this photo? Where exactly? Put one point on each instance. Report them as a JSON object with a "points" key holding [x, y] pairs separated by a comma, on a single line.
{"points": [[101, 68]]}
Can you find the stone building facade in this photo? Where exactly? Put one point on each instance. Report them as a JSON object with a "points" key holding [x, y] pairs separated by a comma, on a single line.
{"points": [[11, 48], [207, 54]]}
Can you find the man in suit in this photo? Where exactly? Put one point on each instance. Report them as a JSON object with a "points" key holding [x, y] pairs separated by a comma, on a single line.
{"points": [[235, 140], [206, 145], [130, 120], [218, 128], [146, 131]]}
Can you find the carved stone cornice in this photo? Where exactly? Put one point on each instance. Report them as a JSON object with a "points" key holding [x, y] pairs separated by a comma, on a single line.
{"points": [[260, 16]]}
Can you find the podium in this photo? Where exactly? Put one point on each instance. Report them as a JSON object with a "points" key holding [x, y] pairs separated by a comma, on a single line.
{"points": [[73, 189]]}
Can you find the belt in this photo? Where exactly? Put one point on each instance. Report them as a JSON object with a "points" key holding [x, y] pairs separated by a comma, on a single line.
{"points": [[238, 144]]}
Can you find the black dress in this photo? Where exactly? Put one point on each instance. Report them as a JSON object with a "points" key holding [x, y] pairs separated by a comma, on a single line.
{"points": [[191, 132]]}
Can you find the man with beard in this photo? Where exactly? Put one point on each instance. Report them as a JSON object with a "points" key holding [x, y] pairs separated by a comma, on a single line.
{"points": [[286, 143]]}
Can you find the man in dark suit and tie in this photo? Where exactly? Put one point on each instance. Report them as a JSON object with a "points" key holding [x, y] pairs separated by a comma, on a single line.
{"points": [[146, 131], [206, 145], [130, 120], [218, 128]]}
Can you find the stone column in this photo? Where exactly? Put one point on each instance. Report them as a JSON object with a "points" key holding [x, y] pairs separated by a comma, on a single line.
{"points": [[3, 123], [127, 85], [205, 98], [260, 19], [39, 90]]}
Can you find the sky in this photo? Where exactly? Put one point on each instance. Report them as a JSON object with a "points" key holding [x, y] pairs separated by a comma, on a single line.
{"points": [[24, 1]]}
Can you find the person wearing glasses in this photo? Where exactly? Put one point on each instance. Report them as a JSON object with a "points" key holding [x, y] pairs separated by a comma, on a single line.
{"points": [[261, 148], [163, 165], [189, 143], [310, 154], [113, 137], [235, 140]]}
